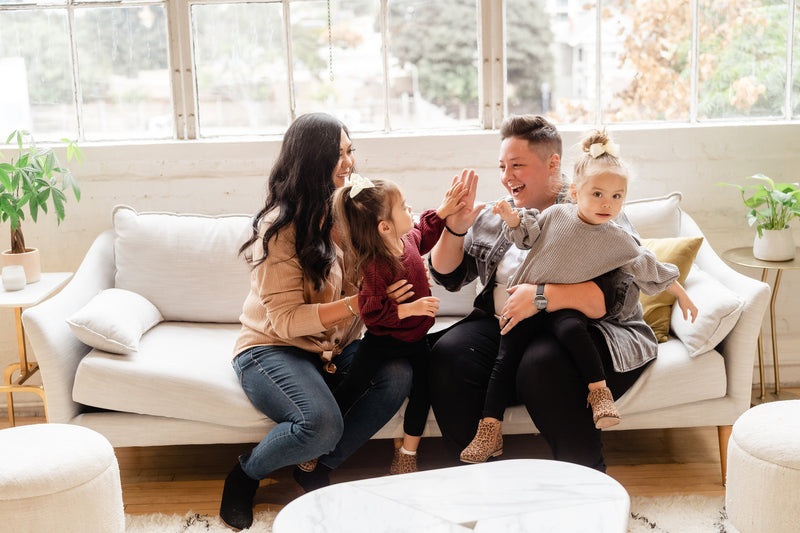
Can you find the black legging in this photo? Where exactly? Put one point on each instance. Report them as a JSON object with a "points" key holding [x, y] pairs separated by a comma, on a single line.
{"points": [[372, 352], [548, 384], [572, 330]]}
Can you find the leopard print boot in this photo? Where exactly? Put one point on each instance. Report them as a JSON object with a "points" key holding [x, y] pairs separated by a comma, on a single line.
{"points": [[403, 463], [488, 442], [604, 412], [308, 466]]}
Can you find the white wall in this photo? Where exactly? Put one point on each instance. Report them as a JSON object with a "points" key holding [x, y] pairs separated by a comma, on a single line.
{"points": [[229, 176]]}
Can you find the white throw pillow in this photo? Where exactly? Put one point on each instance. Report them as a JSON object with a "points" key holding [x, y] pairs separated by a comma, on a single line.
{"points": [[718, 309], [114, 321], [656, 218], [188, 265]]}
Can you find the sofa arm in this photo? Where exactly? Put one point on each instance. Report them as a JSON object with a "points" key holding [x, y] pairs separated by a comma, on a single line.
{"points": [[739, 348], [55, 348]]}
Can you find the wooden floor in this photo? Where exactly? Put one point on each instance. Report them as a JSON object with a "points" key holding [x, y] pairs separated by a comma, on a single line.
{"points": [[178, 479]]}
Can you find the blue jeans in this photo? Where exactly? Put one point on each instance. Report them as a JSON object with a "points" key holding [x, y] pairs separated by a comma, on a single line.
{"points": [[287, 385]]}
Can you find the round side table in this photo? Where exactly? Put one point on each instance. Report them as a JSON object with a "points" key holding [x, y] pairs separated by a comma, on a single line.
{"points": [[744, 257]]}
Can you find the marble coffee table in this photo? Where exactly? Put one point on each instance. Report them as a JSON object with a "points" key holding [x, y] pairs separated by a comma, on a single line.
{"points": [[521, 495]]}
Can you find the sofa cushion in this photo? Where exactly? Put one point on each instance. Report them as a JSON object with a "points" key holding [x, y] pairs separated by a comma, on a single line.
{"points": [[657, 217], [675, 378], [679, 251], [718, 307], [186, 265], [181, 370], [114, 321], [455, 304]]}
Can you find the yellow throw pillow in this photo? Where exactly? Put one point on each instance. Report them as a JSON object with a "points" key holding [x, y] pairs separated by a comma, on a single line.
{"points": [[680, 251]]}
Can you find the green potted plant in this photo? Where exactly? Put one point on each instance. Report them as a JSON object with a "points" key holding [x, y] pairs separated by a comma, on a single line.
{"points": [[771, 207], [33, 182]]}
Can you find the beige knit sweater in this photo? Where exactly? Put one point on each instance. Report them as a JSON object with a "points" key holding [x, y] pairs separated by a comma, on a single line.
{"points": [[282, 307]]}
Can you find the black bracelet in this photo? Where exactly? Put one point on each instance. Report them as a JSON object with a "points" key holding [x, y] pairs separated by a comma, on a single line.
{"points": [[453, 232]]}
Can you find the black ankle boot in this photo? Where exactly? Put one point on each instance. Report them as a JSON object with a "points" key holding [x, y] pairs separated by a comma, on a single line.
{"points": [[236, 509], [313, 480]]}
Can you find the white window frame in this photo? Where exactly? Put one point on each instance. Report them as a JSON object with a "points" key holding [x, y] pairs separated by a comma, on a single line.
{"points": [[491, 49]]}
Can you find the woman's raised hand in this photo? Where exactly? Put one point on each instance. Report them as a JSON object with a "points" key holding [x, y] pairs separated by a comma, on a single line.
{"points": [[461, 220]]}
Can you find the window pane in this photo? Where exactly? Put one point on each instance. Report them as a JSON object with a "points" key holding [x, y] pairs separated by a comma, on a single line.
{"points": [[433, 48], [550, 59], [344, 75], [36, 89], [646, 66], [124, 72], [742, 58], [240, 68]]}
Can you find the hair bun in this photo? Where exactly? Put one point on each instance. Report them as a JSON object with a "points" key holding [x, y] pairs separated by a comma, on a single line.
{"points": [[594, 137]]}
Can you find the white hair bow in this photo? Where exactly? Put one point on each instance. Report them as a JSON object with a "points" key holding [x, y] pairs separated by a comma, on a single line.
{"points": [[597, 149], [357, 183]]}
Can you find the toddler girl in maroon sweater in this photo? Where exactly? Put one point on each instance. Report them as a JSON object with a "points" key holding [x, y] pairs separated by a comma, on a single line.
{"points": [[386, 245]]}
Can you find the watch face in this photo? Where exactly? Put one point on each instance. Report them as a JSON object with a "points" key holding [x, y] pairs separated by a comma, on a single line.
{"points": [[540, 302]]}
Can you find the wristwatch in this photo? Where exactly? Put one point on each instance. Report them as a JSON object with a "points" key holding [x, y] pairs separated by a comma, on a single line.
{"points": [[540, 300]]}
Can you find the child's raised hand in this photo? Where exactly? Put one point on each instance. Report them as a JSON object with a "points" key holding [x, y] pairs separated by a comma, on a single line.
{"points": [[453, 200], [688, 307], [507, 213], [426, 306]]}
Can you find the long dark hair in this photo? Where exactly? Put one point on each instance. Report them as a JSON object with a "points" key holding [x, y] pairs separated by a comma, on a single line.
{"points": [[357, 219], [300, 187]]}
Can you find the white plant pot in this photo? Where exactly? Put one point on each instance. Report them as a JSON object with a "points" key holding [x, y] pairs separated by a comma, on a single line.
{"points": [[775, 245]]}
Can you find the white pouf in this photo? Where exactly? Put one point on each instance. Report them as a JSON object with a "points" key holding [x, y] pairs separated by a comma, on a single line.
{"points": [[763, 485], [59, 478]]}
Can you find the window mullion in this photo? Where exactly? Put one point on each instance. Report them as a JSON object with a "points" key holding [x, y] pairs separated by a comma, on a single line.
{"points": [[180, 56], [77, 94], [694, 76], [287, 32], [598, 64], [789, 59], [387, 124], [491, 68]]}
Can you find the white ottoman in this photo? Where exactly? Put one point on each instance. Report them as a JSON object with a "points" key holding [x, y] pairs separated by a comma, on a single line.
{"points": [[59, 478], [763, 485]]}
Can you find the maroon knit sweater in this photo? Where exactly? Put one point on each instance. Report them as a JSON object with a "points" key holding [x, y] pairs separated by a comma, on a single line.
{"points": [[378, 311]]}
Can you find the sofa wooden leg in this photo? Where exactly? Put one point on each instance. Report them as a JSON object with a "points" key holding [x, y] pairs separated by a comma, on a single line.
{"points": [[724, 434]]}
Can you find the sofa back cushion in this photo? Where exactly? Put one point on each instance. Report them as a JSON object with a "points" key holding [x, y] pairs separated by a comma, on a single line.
{"points": [[656, 218], [187, 265]]}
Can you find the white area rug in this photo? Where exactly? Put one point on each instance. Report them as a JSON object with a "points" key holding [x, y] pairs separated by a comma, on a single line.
{"points": [[192, 523], [679, 514], [667, 514]]}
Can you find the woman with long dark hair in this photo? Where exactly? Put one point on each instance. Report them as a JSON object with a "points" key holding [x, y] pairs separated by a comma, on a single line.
{"points": [[300, 324]]}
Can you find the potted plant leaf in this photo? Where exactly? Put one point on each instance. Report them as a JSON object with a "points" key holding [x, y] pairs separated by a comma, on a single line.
{"points": [[34, 181], [771, 206]]}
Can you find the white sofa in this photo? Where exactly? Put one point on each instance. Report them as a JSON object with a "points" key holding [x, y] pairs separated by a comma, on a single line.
{"points": [[178, 386]]}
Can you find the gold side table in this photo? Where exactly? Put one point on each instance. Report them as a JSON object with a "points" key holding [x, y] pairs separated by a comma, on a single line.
{"points": [[744, 257], [32, 294]]}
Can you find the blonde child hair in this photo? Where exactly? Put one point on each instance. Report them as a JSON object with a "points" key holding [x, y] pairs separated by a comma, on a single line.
{"points": [[600, 154], [357, 216]]}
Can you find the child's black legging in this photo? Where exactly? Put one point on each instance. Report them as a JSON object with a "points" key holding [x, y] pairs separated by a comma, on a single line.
{"points": [[374, 350], [569, 327]]}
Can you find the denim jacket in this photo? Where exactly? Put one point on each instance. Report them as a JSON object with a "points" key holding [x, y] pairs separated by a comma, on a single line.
{"points": [[630, 340]]}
